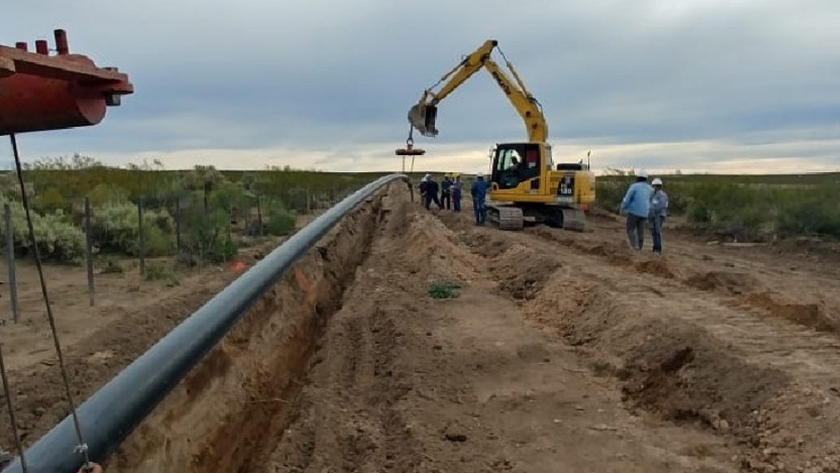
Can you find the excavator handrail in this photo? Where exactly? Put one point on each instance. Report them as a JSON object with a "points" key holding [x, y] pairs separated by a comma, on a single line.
{"points": [[517, 93]]}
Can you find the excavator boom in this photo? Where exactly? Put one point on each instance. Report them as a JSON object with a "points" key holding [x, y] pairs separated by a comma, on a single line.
{"points": [[423, 115]]}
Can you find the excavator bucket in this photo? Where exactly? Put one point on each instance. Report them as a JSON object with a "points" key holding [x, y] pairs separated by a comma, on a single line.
{"points": [[422, 117]]}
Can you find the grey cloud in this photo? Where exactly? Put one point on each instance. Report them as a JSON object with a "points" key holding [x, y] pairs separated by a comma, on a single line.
{"points": [[308, 74]]}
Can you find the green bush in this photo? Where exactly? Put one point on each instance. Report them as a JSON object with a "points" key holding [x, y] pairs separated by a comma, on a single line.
{"points": [[57, 238], [812, 212], [205, 236], [280, 221], [115, 229]]}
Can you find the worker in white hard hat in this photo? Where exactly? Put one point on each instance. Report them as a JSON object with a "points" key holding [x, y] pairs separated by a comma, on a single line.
{"points": [[658, 213], [636, 205]]}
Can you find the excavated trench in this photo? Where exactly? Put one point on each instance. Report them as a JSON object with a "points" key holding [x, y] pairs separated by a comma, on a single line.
{"points": [[226, 413]]}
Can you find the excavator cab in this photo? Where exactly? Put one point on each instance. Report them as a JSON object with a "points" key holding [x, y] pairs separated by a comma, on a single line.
{"points": [[422, 117], [517, 163]]}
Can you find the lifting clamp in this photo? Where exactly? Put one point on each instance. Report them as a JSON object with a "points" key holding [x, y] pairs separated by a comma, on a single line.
{"points": [[409, 150]]}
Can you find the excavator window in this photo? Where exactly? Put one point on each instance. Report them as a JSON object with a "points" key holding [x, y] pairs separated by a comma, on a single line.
{"points": [[509, 169]]}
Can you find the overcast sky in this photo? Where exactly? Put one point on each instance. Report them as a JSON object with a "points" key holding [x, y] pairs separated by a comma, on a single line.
{"points": [[695, 85]]}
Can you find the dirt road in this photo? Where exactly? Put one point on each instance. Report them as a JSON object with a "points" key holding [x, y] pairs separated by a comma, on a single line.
{"points": [[562, 352]]}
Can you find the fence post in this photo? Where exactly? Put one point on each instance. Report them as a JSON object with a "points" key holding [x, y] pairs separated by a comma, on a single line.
{"points": [[178, 224], [10, 258], [89, 253], [259, 215], [141, 241], [229, 222]]}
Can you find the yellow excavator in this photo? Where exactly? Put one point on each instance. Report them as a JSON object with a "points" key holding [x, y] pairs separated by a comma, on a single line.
{"points": [[525, 183]]}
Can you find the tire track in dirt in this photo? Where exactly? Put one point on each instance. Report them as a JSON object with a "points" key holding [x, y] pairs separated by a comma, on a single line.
{"points": [[687, 354]]}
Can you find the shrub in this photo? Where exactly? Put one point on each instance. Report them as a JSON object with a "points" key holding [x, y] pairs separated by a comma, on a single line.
{"points": [[115, 228], [812, 212], [57, 238], [443, 290], [280, 221], [205, 236]]}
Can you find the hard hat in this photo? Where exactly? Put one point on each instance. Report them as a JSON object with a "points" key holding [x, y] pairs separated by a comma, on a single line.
{"points": [[656, 182], [642, 173], [480, 175]]}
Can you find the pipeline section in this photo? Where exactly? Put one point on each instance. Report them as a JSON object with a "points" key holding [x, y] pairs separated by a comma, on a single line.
{"points": [[112, 412]]}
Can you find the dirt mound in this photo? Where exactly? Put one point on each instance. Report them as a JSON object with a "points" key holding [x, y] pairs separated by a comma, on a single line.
{"points": [[615, 255], [668, 366], [598, 250], [685, 374], [487, 244], [453, 220], [430, 246], [809, 315], [394, 217], [563, 237], [522, 272], [240, 396], [559, 311], [729, 282], [657, 267]]}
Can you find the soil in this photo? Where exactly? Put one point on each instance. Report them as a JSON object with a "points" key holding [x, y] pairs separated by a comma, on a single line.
{"points": [[558, 351]]}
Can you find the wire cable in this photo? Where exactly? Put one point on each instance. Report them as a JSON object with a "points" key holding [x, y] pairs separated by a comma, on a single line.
{"points": [[9, 404], [82, 447]]}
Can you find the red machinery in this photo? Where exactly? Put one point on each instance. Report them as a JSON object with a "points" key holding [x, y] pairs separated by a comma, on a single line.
{"points": [[409, 150], [39, 92]]}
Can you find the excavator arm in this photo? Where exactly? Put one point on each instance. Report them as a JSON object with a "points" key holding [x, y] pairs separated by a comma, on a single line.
{"points": [[423, 115]]}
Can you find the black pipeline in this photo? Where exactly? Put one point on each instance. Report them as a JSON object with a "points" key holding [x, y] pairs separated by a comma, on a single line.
{"points": [[112, 412]]}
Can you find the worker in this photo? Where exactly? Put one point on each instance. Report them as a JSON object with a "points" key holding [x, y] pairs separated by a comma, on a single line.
{"points": [[456, 194], [636, 205], [423, 187], [658, 212], [432, 188], [446, 192], [478, 190]]}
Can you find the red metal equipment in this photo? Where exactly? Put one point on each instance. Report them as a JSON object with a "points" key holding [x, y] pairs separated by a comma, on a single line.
{"points": [[39, 92], [409, 150]]}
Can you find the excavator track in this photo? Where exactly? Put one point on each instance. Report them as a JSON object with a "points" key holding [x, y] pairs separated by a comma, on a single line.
{"points": [[573, 220], [505, 217]]}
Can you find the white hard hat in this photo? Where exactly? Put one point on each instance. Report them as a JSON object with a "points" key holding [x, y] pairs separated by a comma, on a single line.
{"points": [[480, 175], [642, 173], [656, 182]]}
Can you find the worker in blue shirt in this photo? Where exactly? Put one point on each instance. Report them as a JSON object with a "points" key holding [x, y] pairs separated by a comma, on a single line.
{"points": [[636, 205], [478, 190]]}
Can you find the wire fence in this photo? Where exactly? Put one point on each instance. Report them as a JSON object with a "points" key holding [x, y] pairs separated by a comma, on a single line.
{"points": [[186, 228]]}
